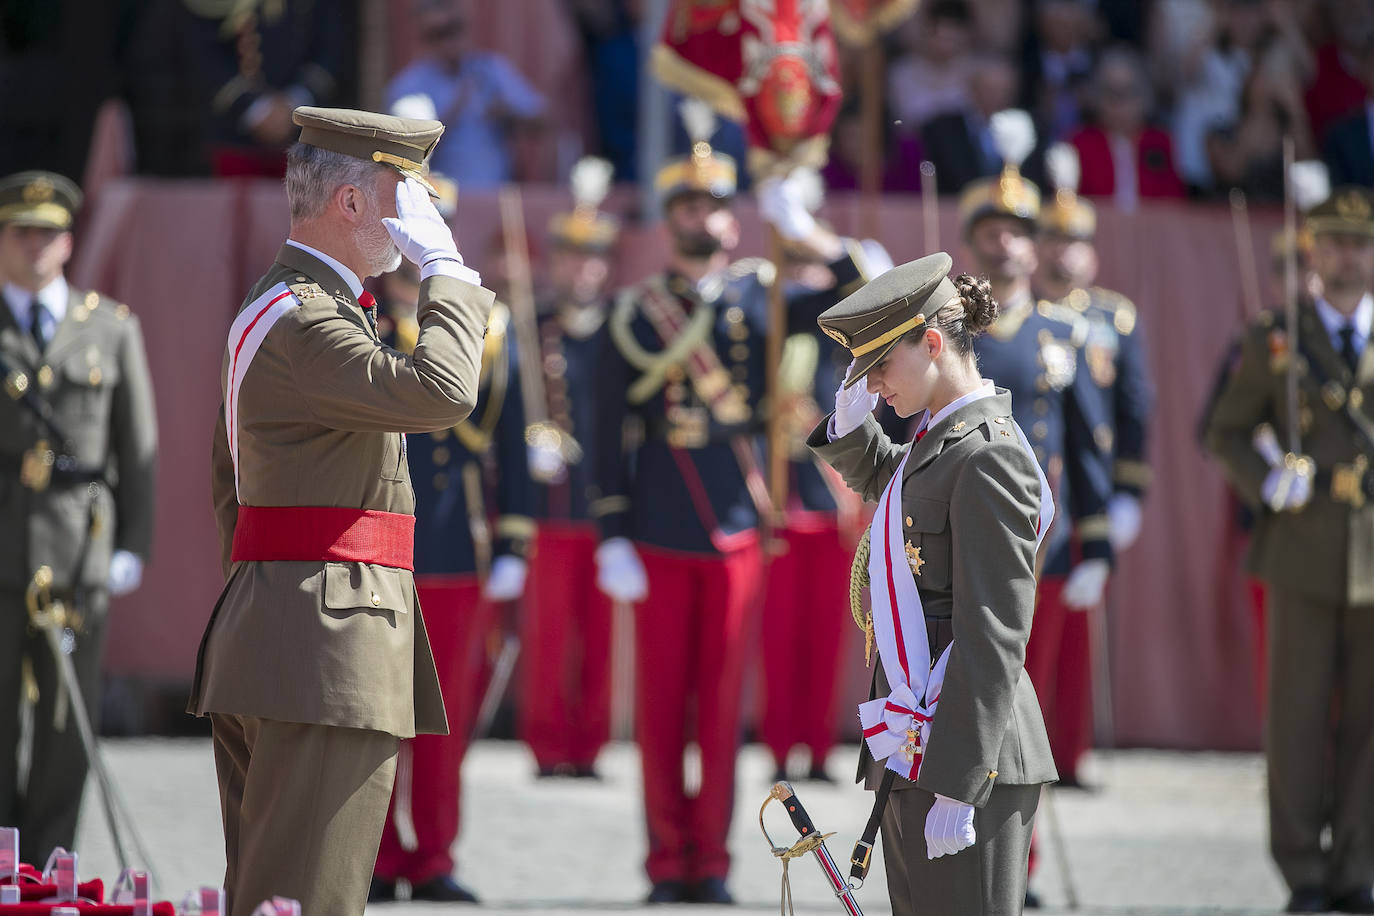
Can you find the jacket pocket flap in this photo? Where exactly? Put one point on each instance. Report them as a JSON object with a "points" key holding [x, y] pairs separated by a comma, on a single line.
{"points": [[928, 516], [355, 585]]}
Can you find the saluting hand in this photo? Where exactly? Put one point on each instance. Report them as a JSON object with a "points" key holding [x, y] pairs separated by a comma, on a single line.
{"points": [[507, 579], [852, 404], [418, 229]]}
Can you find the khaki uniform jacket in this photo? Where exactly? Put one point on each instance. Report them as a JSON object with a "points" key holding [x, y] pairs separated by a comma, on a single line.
{"points": [[970, 504], [1326, 549], [322, 409], [94, 376]]}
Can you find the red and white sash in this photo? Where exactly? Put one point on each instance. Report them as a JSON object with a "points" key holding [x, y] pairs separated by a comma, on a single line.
{"points": [[897, 726], [245, 336]]}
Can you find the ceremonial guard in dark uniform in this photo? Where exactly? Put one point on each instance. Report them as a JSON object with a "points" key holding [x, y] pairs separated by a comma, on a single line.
{"points": [[76, 494], [1313, 545], [1035, 350], [565, 696], [1113, 358], [682, 492], [463, 567]]}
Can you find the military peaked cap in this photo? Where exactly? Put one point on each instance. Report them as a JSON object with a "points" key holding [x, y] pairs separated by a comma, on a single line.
{"points": [[1007, 194], [1348, 211], [1069, 215], [402, 143], [44, 199]]}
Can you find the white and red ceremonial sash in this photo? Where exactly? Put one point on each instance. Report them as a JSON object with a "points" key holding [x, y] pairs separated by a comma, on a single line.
{"points": [[245, 336], [897, 727]]}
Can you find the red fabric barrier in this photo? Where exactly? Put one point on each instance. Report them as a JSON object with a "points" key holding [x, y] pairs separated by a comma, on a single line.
{"points": [[183, 255]]}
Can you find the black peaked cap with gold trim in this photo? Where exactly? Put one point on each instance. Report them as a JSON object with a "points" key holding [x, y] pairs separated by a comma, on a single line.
{"points": [[870, 321], [402, 143], [1348, 211], [35, 198]]}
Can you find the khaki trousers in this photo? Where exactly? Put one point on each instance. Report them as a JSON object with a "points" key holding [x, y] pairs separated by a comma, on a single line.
{"points": [[1320, 742], [987, 879], [303, 809]]}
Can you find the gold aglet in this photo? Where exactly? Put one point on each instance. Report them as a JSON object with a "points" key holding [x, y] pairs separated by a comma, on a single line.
{"points": [[35, 471]]}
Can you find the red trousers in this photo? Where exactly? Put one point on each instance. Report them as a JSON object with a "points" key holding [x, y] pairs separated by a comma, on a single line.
{"points": [[692, 635], [565, 694], [428, 788], [1258, 610], [805, 625], [1059, 662]]}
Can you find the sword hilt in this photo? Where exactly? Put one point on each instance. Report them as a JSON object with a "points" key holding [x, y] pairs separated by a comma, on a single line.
{"points": [[784, 793]]}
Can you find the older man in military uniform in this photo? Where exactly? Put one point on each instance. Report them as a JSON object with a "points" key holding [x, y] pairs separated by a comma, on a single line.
{"points": [[679, 508], [1114, 362], [76, 491], [1313, 546], [316, 660]]}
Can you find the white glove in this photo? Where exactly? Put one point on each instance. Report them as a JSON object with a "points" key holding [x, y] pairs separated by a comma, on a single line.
{"points": [[1086, 585], [418, 229], [126, 572], [1123, 512], [546, 463], [852, 404], [949, 827], [619, 572], [507, 579], [780, 203], [1285, 488]]}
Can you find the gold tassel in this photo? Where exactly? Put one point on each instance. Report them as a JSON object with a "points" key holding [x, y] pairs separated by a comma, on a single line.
{"points": [[858, 581], [29, 681]]}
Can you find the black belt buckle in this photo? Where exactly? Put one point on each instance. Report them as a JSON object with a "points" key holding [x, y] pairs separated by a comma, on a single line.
{"points": [[861, 857], [35, 469]]}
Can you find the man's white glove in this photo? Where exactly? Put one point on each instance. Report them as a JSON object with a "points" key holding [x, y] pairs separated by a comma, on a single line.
{"points": [[949, 827], [780, 203], [1087, 584], [421, 233], [1286, 488], [1123, 512], [852, 404], [507, 579], [126, 572], [546, 463], [619, 571]]}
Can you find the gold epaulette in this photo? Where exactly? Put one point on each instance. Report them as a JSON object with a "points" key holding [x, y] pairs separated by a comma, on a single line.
{"points": [[1077, 324], [766, 271], [1122, 309]]}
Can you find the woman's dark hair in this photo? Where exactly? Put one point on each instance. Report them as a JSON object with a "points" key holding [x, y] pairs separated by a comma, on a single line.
{"points": [[969, 314]]}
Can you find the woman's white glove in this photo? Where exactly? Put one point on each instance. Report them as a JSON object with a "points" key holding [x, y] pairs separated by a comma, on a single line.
{"points": [[421, 233], [1086, 585], [1123, 513], [619, 571], [507, 579], [126, 572], [852, 404], [949, 827]]}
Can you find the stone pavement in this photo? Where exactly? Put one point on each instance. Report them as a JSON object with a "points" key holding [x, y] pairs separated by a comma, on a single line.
{"points": [[1168, 833]]}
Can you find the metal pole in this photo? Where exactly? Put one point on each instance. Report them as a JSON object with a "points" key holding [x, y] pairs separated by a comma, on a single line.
{"points": [[655, 112], [1290, 293]]}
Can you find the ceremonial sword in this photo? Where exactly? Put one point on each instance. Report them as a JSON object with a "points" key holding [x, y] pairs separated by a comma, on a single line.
{"points": [[811, 841]]}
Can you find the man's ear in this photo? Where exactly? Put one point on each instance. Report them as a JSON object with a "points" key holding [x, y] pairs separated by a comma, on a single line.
{"points": [[349, 199]]}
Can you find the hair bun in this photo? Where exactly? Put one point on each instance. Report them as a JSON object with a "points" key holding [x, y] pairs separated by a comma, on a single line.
{"points": [[980, 308]]}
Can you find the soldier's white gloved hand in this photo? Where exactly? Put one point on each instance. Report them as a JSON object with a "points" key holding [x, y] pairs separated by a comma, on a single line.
{"points": [[852, 404], [421, 233], [546, 463], [1087, 584], [1285, 489], [126, 572], [780, 203], [1123, 512], [619, 571], [949, 827], [507, 579]]}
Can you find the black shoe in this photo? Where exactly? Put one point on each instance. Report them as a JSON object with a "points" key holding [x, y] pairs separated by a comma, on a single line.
{"points": [[818, 774], [1032, 901], [443, 888], [546, 773], [711, 890], [1308, 900], [1360, 901], [667, 892], [584, 771], [380, 891]]}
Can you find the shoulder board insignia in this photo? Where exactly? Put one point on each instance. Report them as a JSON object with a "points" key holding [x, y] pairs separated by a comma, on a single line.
{"points": [[121, 311], [307, 290], [1078, 300], [761, 267], [92, 300]]}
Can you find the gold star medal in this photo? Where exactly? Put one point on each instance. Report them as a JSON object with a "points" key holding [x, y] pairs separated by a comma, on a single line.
{"points": [[913, 557]]}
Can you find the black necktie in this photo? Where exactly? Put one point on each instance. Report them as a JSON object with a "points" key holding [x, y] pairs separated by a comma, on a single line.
{"points": [[1352, 358], [38, 324]]}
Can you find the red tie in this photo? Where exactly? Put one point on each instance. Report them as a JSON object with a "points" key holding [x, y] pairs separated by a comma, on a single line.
{"points": [[369, 304], [921, 432]]}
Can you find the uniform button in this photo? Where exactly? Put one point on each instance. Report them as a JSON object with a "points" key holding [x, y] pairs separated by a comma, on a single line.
{"points": [[740, 332], [1039, 455], [439, 435], [740, 373], [1042, 406], [440, 455], [45, 376], [95, 375], [999, 420], [440, 481], [1042, 384], [909, 522], [376, 600], [1041, 429], [739, 352], [734, 314]]}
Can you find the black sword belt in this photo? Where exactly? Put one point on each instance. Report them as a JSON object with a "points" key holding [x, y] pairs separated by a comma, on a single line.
{"points": [[38, 469]]}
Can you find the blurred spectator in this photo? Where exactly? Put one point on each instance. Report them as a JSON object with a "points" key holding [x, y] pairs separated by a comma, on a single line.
{"points": [[479, 95], [1124, 157], [609, 30], [844, 169], [1057, 63], [1211, 78], [1248, 153], [997, 24], [260, 61], [959, 143], [1347, 150], [1338, 88], [931, 77]]}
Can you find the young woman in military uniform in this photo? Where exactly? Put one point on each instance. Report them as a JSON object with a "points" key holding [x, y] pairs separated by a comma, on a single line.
{"points": [[960, 514]]}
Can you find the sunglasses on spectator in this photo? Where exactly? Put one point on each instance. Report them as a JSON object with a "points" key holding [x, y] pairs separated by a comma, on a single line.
{"points": [[451, 29]]}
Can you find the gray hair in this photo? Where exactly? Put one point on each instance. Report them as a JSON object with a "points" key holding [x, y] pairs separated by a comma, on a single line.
{"points": [[314, 174]]}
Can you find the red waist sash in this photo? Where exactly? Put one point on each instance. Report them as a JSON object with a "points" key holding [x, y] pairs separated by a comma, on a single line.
{"points": [[324, 534]]}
